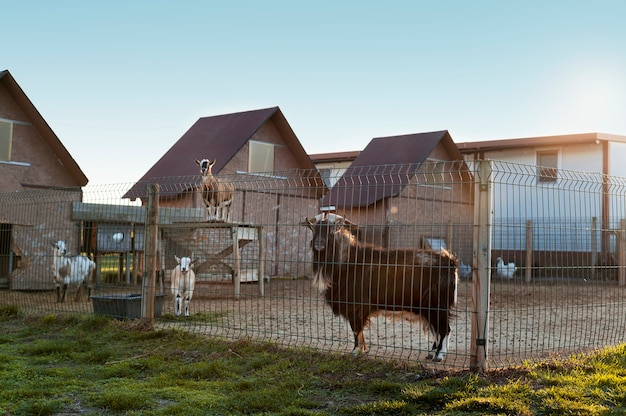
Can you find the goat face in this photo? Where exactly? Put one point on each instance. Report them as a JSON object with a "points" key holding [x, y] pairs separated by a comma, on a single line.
{"points": [[205, 166], [325, 226], [185, 264], [323, 232], [60, 247], [333, 234]]}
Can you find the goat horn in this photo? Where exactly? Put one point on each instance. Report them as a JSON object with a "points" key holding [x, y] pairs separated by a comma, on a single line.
{"points": [[308, 223]]}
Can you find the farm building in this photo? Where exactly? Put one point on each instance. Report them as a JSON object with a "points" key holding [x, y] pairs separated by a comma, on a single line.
{"points": [[275, 186], [332, 165], [539, 184], [37, 176], [409, 191]]}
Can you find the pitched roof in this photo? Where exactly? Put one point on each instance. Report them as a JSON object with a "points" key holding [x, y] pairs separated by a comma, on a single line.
{"points": [[43, 128], [482, 146], [384, 168], [335, 157], [217, 137]]}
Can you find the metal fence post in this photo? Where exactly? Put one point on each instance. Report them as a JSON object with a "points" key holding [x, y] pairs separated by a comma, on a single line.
{"points": [[594, 246], [621, 254], [148, 287], [482, 261]]}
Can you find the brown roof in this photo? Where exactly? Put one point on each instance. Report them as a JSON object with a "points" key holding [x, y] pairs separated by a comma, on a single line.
{"points": [[43, 128], [217, 137], [384, 168], [335, 156], [482, 146]]}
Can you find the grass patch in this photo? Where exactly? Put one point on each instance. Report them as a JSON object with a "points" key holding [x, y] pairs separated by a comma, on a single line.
{"points": [[213, 318], [9, 311], [57, 364]]}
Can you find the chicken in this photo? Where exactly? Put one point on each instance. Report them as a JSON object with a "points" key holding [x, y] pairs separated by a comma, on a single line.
{"points": [[505, 271], [465, 271]]}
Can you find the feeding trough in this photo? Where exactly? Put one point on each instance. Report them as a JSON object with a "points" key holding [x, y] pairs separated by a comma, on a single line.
{"points": [[124, 306]]}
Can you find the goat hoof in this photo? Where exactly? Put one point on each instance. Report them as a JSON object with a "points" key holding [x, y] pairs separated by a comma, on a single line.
{"points": [[359, 351], [434, 357]]}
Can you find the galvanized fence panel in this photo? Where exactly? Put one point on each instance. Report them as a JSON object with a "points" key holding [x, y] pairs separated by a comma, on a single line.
{"points": [[254, 276], [563, 236]]}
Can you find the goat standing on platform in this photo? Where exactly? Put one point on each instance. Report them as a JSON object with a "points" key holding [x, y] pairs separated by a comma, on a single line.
{"points": [[183, 282], [71, 270], [361, 280], [217, 194]]}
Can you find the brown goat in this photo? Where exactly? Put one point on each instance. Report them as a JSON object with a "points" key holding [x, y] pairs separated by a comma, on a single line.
{"points": [[361, 280], [217, 194]]}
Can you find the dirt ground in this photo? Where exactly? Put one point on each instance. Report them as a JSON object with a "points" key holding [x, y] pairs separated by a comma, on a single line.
{"points": [[526, 321]]}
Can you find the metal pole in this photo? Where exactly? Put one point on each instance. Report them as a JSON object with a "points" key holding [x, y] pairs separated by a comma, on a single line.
{"points": [[621, 256], [594, 246]]}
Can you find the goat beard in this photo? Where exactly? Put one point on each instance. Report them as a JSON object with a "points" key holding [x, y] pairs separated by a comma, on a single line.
{"points": [[321, 280]]}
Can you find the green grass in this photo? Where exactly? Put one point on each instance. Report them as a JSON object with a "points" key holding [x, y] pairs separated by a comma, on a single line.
{"points": [[94, 365]]}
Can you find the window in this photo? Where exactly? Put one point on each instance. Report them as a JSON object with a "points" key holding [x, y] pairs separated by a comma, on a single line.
{"points": [[6, 132], [260, 157], [547, 166]]}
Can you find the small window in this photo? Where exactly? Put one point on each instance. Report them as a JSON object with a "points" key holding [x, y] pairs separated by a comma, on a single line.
{"points": [[260, 157], [6, 133], [547, 166]]}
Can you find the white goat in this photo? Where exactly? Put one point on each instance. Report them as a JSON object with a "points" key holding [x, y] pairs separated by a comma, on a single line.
{"points": [[217, 194], [71, 270], [183, 282]]}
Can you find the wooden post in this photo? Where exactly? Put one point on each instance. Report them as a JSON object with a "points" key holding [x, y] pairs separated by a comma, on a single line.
{"points": [[148, 289], [261, 261], [621, 256], [236, 262], [135, 264], [482, 260], [529, 251]]}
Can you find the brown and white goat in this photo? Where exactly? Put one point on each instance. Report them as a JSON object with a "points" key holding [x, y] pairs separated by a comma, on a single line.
{"points": [[361, 280], [68, 271], [183, 282], [217, 193]]}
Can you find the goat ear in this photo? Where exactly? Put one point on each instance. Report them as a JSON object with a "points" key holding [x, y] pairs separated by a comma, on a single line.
{"points": [[197, 162], [177, 258]]}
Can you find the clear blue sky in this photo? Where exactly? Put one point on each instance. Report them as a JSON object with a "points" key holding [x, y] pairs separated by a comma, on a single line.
{"points": [[120, 82]]}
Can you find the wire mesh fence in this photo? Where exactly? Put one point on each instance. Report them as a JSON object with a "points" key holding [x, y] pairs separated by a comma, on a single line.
{"points": [[559, 287]]}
